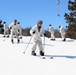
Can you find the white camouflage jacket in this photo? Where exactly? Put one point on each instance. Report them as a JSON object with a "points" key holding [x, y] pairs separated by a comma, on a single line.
{"points": [[37, 35]]}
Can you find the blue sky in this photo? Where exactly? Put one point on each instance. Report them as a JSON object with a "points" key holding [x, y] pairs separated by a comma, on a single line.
{"points": [[28, 12]]}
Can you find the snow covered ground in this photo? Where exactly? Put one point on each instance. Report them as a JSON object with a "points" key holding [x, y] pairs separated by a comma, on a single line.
{"points": [[14, 62]]}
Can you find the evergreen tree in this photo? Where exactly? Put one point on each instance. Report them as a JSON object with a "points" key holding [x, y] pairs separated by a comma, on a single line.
{"points": [[1, 24], [71, 19]]}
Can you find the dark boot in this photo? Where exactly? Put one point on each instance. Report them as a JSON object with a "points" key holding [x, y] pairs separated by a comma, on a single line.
{"points": [[18, 41], [7, 36], [53, 39], [12, 41], [3, 36], [20, 37], [41, 53], [33, 53], [64, 39]]}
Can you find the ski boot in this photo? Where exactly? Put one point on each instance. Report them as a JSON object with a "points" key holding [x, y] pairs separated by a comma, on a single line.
{"points": [[12, 41], [53, 39], [33, 53], [20, 37], [7, 36], [3, 36], [64, 39], [18, 41], [41, 53]]}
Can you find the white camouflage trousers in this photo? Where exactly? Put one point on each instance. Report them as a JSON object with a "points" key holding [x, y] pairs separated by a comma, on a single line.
{"points": [[39, 43], [6, 32], [14, 33], [63, 36], [52, 36]]}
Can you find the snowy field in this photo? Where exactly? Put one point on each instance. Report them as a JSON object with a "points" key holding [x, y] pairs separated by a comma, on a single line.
{"points": [[14, 62]]}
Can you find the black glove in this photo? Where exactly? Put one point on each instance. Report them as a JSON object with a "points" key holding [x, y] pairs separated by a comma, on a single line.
{"points": [[33, 32], [18, 34], [18, 30], [10, 27], [44, 34]]}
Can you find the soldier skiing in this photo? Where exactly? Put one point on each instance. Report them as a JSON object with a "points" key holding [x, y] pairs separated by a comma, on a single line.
{"points": [[14, 31], [37, 31], [62, 32], [6, 29], [51, 30]]}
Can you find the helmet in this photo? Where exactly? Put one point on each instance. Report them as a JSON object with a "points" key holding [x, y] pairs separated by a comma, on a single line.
{"points": [[40, 22], [59, 26], [50, 25], [15, 20], [4, 22]]}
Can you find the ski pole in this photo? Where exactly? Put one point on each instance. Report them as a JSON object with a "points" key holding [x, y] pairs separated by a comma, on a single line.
{"points": [[27, 45], [44, 41]]}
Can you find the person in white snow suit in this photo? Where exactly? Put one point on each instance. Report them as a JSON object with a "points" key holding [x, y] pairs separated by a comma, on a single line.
{"points": [[62, 32], [14, 31], [19, 30], [51, 30], [37, 31], [6, 29]]}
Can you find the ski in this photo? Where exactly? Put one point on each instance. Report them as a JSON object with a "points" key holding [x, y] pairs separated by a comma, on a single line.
{"points": [[44, 57]]}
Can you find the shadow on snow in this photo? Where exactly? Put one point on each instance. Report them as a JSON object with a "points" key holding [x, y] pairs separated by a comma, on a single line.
{"points": [[62, 56]]}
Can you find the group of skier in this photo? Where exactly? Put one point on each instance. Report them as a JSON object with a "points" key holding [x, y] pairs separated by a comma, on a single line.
{"points": [[61, 31], [14, 29], [37, 32]]}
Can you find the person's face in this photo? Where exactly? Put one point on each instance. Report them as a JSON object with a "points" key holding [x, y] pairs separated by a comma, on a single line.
{"points": [[39, 25], [15, 22]]}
